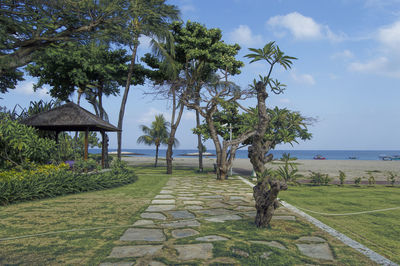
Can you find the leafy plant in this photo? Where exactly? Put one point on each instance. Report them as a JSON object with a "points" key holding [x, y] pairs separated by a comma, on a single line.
{"points": [[391, 177], [86, 166], [288, 171], [357, 181], [342, 177], [319, 179], [371, 180]]}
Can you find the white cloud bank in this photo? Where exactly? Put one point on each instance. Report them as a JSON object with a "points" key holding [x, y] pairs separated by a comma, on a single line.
{"points": [[305, 79], [26, 88], [245, 37], [301, 27], [387, 61]]}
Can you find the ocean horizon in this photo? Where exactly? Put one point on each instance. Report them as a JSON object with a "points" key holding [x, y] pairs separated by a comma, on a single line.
{"points": [[299, 154]]}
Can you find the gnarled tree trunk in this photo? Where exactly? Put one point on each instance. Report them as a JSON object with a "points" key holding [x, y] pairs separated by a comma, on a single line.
{"points": [[265, 195]]}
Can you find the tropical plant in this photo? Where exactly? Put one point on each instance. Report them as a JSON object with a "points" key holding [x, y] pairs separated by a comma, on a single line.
{"points": [[391, 177], [357, 181], [288, 172], [319, 179], [149, 18], [371, 179], [342, 177], [157, 134]]}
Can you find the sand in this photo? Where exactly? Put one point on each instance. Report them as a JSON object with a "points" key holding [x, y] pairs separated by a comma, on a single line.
{"points": [[352, 168]]}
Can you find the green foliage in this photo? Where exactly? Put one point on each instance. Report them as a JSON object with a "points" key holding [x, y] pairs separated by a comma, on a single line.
{"points": [[157, 134], [371, 180], [29, 27], [288, 171], [20, 144], [357, 181], [89, 165], [391, 177], [61, 182], [342, 177], [319, 179], [71, 148], [284, 126]]}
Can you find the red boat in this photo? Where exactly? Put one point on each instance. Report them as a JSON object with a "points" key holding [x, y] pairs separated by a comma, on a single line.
{"points": [[319, 157]]}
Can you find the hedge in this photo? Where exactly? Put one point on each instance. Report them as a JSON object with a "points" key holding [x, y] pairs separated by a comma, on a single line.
{"points": [[41, 185]]}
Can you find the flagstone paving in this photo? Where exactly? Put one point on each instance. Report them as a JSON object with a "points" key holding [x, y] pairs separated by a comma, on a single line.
{"points": [[175, 228]]}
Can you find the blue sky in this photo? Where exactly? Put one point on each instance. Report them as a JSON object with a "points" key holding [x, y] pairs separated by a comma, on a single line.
{"points": [[346, 75]]}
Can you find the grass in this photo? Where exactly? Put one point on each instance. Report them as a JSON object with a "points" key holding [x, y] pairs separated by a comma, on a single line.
{"points": [[113, 207], [379, 231]]}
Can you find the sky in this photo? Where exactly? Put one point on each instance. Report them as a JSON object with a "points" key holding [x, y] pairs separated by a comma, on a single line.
{"points": [[346, 75]]}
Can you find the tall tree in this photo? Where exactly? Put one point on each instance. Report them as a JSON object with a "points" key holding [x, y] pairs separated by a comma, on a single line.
{"points": [[202, 53], [149, 18], [32, 26], [157, 134], [266, 191], [169, 84]]}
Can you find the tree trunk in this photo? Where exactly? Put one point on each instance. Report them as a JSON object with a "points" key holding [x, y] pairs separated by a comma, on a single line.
{"points": [[199, 143], [266, 201], [125, 97], [155, 164]]}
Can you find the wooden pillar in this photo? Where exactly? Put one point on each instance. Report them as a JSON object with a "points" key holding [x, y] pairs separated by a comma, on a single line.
{"points": [[86, 143], [103, 144]]}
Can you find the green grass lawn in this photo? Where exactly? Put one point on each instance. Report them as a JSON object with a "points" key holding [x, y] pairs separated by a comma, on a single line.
{"points": [[379, 231], [113, 207]]}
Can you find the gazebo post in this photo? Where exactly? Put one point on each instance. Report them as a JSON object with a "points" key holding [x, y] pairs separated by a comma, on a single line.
{"points": [[103, 144], [86, 143]]}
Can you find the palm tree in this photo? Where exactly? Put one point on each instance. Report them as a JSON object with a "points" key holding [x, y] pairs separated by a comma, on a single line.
{"points": [[157, 134], [149, 18]]}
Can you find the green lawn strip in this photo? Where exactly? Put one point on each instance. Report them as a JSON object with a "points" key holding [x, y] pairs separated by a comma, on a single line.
{"points": [[113, 207], [379, 231]]}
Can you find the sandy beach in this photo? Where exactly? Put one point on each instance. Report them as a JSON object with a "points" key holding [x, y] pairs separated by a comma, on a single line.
{"points": [[352, 168]]}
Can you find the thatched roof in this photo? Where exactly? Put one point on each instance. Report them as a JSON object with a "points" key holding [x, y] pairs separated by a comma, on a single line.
{"points": [[68, 117]]}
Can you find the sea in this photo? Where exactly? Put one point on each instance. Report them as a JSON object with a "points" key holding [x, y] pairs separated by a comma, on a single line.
{"points": [[299, 154]]}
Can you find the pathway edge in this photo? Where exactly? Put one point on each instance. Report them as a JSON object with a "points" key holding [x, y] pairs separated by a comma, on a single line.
{"points": [[345, 239]]}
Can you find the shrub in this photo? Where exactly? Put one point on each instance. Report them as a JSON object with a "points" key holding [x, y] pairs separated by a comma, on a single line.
{"points": [[391, 178], [20, 145], [44, 184], [357, 181], [319, 179], [371, 180], [85, 166], [342, 177]]}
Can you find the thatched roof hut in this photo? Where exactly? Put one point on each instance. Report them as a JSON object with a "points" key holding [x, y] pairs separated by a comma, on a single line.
{"points": [[70, 117]]}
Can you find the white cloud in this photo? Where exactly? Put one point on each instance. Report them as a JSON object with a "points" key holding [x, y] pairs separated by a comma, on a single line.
{"points": [[306, 79], [189, 115], [346, 54], [302, 27], [144, 41], [244, 36], [380, 65], [149, 116], [284, 100], [389, 36], [26, 88]]}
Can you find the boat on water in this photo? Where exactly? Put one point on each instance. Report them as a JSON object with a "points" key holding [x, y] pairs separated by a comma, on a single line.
{"points": [[319, 157], [352, 158], [385, 157]]}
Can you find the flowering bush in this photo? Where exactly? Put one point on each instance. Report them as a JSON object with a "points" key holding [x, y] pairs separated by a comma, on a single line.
{"points": [[34, 170]]}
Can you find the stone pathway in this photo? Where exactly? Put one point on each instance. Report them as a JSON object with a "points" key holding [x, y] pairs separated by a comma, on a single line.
{"points": [[176, 215]]}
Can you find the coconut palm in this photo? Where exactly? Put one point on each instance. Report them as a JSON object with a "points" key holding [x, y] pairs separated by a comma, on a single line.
{"points": [[157, 134], [149, 18]]}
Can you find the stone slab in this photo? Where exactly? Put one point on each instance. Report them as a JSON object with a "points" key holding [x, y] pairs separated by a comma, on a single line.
{"points": [[273, 244], [245, 208], [212, 197], [212, 238], [165, 191], [142, 234], [153, 215], [163, 201], [182, 223], [182, 233], [223, 218], [181, 214], [193, 207], [186, 198], [233, 198], [317, 251], [160, 208], [143, 222], [194, 251], [192, 202], [134, 251], [216, 212], [164, 196], [116, 264], [218, 205]]}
